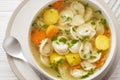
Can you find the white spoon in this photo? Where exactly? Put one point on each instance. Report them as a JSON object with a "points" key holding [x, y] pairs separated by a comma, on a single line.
{"points": [[13, 49]]}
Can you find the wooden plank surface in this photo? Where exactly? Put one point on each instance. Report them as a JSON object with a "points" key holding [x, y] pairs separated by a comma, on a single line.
{"points": [[7, 7]]}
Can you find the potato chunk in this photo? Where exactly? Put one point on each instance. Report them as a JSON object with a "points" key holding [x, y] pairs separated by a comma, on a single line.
{"points": [[55, 58], [51, 16], [73, 59], [102, 42]]}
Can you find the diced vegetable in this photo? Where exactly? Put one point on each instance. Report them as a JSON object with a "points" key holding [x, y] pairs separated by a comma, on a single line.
{"points": [[52, 30], [37, 36], [73, 59], [107, 33], [101, 62], [59, 5], [102, 42], [51, 16], [55, 58], [76, 67]]}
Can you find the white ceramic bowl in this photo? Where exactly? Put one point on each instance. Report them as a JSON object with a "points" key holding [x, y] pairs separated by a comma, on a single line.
{"points": [[22, 24]]}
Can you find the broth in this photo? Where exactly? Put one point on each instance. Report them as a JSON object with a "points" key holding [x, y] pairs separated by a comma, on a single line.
{"points": [[70, 39]]}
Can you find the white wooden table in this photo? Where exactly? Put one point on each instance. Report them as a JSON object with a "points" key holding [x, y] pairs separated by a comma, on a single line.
{"points": [[7, 7]]}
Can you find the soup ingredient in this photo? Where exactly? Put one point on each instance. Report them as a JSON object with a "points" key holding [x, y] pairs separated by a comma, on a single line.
{"points": [[60, 45], [45, 60], [55, 58], [87, 66], [84, 50], [78, 73], [52, 30], [59, 5], [86, 30], [73, 59], [102, 42], [74, 46], [107, 33], [88, 14], [78, 7], [77, 20], [37, 36], [95, 56], [46, 47], [50, 16], [76, 67], [102, 60], [73, 33]]}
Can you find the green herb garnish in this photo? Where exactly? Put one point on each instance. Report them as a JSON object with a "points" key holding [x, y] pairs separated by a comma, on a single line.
{"points": [[86, 6], [61, 61], [67, 31], [74, 29], [103, 21], [54, 38], [44, 26], [64, 40], [92, 57], [93, 23], [98, 11], [99, 51], [89, 73], [34, 24], [54, 66], [85, 38], [69, 19], [63, 17], [74, 41]]}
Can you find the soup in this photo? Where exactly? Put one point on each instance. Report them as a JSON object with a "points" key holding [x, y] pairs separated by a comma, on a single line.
{"points": [[70, 39]]}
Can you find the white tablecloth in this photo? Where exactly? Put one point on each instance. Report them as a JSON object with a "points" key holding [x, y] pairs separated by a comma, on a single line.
{"points": [[7, 7]]}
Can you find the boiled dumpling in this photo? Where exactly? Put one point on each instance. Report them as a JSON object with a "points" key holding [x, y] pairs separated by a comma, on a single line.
{"points": [[88, 14], [78, 73], [99, 28], [46, 47], [60, 45], [87, 66], [66, 16], [80, 9], [77, 20], [86, 30], [95, 56], [73, 33], [45, 60], [75, 45], [85, 49]]}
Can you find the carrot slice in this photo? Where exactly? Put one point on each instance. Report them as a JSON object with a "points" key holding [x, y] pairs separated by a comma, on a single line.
{"points": [[107, 33], [76, 67], [101, 61], [37, 36], [59, 5]]}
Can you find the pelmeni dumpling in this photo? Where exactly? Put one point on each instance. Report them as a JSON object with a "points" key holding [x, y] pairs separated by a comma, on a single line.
{"points": [[88, 14], [60, 45], [95, 56], [45, 60], [45, 47], [86, 30], [73, 33], [84, 50], [87, 66], [66, 16], [80, 9], [78, 73], [99, 28], [77, 20], [75, 45]]}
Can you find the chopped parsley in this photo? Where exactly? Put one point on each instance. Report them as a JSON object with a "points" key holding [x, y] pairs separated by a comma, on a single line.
{"points": [[74, 29], [90, 52], [59, 76], [89, 73], [67, 31], [64, 40], [103, 21], [92, 57], [61, 61], [69, 19], [98, 11], [54, 38], [54, 66], [74, 41], [93, 23], [85, 38], [34, 24], [44, 26], [86, 6], [85, 56], [99, 51], [82, 50], [63, 17]]}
